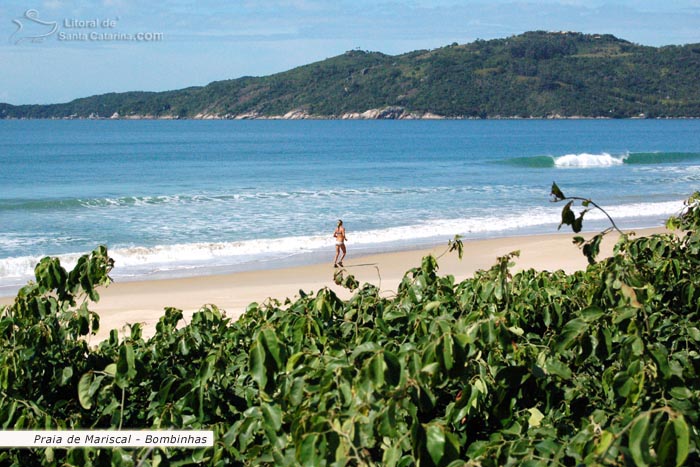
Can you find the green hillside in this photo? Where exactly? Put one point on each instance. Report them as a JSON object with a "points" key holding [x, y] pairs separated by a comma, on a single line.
{"points": [[536, 74]]}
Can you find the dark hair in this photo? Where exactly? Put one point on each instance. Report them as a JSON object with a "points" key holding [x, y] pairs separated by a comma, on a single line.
{"points": [[340, 222]]}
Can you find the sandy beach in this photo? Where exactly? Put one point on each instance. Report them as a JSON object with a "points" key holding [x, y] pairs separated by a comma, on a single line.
{"points": [[144, 302]]}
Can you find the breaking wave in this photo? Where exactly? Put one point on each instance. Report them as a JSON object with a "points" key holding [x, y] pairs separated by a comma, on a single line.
{"points": [[588, 160]]}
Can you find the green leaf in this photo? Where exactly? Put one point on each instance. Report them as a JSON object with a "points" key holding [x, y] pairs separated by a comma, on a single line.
{"points": [[435, 442], [556, 367], [269, 339], [591, 314], [682, 439], [66, 375], [84, 395], [393, 368], [376, 370], [637, 346], [307, 450], [111, 369], [681, 393], [126, 367], [666, 447], [694, 334], [591, 248], [206, 370], [391, 456], [365, 347], [447, 352], [256, 364], [557, 193], [567, 215], [570, 332], [604, 442], [535, 417], [638, 437], [272, 415], [623, 314]]}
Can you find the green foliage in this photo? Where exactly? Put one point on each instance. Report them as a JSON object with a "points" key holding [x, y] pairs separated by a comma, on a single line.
{"points": [[535, 74], [590, 247], [600, 367]]}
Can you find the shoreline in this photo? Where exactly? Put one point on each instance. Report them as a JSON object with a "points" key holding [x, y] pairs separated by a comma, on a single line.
{"points": [[293, 115], [145, 301]]}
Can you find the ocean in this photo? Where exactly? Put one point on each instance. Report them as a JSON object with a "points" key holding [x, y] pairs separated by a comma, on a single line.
{"points": [[179, 198]]}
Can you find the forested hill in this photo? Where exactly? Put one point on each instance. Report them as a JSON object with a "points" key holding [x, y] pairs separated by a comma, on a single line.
{"points": [[536, 74]]}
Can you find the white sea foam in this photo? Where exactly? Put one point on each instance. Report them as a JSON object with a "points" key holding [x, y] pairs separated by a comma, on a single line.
{"points": [[585, 160], [141, 262]]}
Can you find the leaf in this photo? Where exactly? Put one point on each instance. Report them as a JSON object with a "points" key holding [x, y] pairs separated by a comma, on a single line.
{"points": [[591, 314], [365, 348], [376, 370], [557, 193], [435, 442], [659, 354], [556, 367], [638, 439], [66, 375], [623, 314], [393, 368], [126, 367], [606, 439], [570, 332], [272, 415], [694, 334], [268, 337], [391, 456], [256, 364], [666, 446], [206, 370], [682, 439], [307, 450], [84, 395], [447, 352], [567, 215], [591, 248], [535, 417], [111, 369], [681, 393]]}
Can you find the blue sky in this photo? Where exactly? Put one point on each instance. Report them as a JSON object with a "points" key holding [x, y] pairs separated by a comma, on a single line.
{"points": [[59, 57]]}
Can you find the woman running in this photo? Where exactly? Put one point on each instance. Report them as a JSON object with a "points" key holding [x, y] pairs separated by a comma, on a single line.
{"points": [[340, 238]]}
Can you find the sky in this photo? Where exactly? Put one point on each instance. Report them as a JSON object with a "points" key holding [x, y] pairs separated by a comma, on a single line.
{"points": [[54, 51]]}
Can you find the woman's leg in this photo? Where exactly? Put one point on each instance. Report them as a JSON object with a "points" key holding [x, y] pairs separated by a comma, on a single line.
{"points": [[337, 252], [342, 247]]}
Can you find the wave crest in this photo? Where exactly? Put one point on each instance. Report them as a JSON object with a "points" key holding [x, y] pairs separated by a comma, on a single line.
{"points": [[589, 160], [604, 159]]}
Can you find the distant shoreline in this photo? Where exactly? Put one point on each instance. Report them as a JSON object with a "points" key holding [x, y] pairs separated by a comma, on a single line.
{"points": [[377, 115]]}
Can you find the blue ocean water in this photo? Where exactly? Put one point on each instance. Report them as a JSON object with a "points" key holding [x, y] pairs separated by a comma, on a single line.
{"points": [[173, 198]]}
